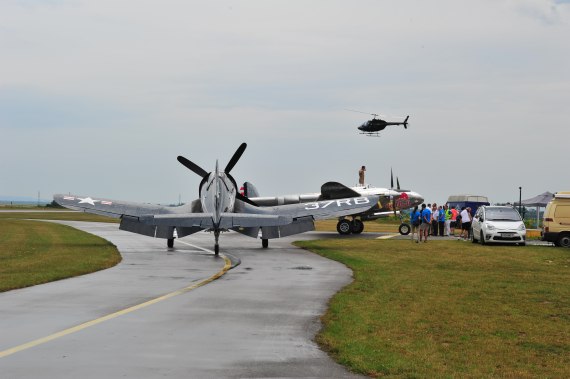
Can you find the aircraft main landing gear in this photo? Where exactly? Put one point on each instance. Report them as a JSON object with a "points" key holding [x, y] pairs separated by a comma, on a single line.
{"points": [[344, 227], [357, 226], [216, 244], [265, 243], [170, 243]]}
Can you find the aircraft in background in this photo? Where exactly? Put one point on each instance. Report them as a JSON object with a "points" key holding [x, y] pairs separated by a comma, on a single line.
{"points": [[390, 201], [220, 207], [373, 127]]}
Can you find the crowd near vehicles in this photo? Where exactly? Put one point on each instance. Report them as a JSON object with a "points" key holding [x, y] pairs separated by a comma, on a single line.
{"points": [[498, 224], [556, 222], [471, 201], [220, 207]]}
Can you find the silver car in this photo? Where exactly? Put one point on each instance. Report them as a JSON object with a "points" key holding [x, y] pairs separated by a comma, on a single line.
{"points": [[498, 224]]}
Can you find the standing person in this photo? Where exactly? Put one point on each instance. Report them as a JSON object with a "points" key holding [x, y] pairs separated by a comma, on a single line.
{"points": [[415, 220], [434, 217], [361, 176], [454, 214], [426, 222], [441, 220], [448, 216], [465, 223]]}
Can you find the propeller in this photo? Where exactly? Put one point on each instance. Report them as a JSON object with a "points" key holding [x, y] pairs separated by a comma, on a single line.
{"points": [[235, 157], [203, 173], [192, 166], [392, 187]]}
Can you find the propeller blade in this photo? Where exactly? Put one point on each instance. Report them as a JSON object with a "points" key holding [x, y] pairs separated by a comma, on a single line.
{"points": [[235, 157], [241, 197], [398, 183], [391, 178], [192, 166]]}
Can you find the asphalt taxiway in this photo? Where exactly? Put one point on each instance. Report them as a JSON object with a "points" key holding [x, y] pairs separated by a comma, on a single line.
{"points": [[159, 313]]}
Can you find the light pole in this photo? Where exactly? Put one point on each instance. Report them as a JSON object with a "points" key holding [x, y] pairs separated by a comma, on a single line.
{"points": [[520, 201]]}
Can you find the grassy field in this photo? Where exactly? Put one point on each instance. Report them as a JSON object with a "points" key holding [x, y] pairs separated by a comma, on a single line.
{"points": [[449, 309], [33, 252], [68, 216]]}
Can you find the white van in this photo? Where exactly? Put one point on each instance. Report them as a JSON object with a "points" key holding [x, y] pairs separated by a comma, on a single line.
{"points": [[556, 222]]}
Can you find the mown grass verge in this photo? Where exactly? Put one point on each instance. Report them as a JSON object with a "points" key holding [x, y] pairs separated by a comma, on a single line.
{"points": [[33, 252], [66, 216], [449, 309]]}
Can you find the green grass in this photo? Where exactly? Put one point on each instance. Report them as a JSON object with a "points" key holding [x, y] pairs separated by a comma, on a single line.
{"points": [[33, 252], [67, 216], [449, 309]]}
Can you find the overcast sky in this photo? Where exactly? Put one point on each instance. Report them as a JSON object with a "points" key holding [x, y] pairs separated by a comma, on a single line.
{"points": [[99, 97]]}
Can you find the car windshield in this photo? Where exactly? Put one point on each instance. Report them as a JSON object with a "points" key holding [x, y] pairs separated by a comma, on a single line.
{"points": [[502, 214]]}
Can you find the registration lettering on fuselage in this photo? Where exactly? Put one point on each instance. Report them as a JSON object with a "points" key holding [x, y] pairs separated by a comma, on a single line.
{"points": [[338, 203]]}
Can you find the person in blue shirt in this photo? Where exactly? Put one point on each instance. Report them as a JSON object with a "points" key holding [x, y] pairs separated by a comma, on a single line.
{"points": [[426, 222], [441, 220], [415, 220]]}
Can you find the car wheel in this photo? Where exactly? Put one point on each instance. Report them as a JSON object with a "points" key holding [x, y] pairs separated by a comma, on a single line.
{"points": [[343, 227], [473, 240], [481, 238], [564, 240], [357, 226], [404, 229]]}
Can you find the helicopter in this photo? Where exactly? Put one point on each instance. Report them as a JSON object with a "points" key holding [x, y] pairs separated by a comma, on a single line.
{"points": [[371, 128]]}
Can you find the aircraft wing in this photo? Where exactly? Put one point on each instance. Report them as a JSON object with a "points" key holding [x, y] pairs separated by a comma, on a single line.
{"points": [[325, 209], [227, 220], [110, 208]]}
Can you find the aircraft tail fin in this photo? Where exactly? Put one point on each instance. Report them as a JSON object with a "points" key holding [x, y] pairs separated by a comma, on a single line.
{"points": [[406, 122], [250, 190]]}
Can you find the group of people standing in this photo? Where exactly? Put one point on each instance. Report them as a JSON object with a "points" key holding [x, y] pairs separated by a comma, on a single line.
{"points": [[441, 221]]}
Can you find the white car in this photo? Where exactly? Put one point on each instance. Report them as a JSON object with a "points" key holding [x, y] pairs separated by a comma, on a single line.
{"points": [[498, 224]]}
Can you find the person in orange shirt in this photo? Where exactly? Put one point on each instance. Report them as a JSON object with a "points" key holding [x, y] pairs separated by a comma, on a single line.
{"points": [[454, 213]]}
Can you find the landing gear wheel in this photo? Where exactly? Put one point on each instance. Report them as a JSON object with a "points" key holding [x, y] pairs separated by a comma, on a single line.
{"points": [[170, 243], [216, 249], [343, 227], [357, 226], [404, 229], [265, 243], [564, 240]]}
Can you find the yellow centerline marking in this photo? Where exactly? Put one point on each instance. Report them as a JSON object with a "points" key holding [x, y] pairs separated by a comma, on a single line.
{"points": [[99, 320]]}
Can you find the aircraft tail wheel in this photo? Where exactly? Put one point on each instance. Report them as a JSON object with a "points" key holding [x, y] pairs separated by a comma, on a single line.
{"points": [[357, 226], [265, 243], [404, 229], [170, 243], [344, 227], [216, 249]]}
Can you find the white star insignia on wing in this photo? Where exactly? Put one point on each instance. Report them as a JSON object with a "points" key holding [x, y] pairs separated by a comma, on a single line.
{"points": [[87, 200]]}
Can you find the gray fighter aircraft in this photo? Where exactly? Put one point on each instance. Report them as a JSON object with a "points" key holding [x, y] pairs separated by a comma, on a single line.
{"points": [[220, 208], [390, 201]]}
